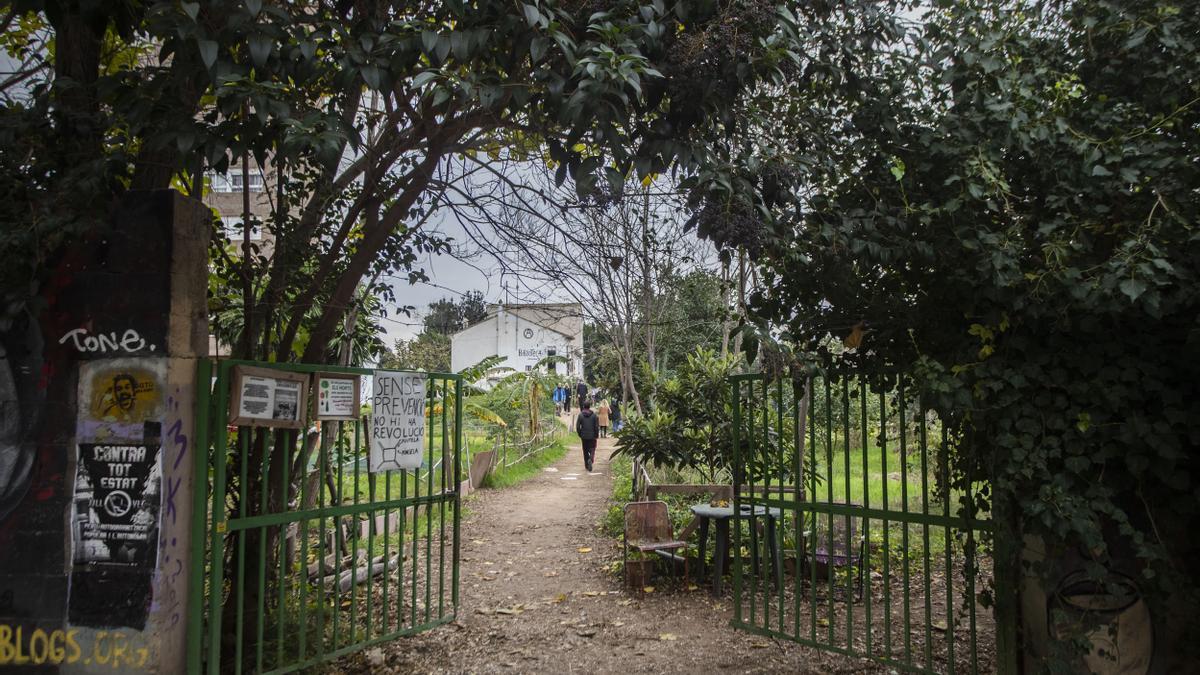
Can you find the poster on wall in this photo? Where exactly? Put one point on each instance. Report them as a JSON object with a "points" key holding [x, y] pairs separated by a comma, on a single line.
{"points": [[117, 499], [267, 398], [397, 420], [336, 397]]}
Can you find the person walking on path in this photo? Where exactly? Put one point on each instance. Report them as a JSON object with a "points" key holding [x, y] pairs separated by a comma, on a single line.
{"points": [[616, 414], [602, 412], [566, 399], [558, 399], [587, 425], [581, 392]]}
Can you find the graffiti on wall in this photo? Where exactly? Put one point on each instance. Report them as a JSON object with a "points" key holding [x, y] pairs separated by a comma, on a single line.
{"points": [[21, 397], [26, 645], [129, 342]]}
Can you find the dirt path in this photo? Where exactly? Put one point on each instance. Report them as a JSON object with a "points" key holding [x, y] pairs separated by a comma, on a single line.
{"points": [[537, 598]]}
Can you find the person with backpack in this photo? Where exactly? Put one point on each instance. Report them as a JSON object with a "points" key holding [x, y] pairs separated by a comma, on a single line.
{"points": [[616, 415], [587, 425], [557, 396]]}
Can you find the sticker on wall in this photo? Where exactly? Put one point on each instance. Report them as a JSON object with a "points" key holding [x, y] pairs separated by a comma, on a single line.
{"points": [[267, 398], [397, 420], [336, 397], [122, 391], [117, 498]]}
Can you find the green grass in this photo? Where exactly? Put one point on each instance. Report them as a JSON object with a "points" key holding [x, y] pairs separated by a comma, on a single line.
{"points": [[502, 477]]}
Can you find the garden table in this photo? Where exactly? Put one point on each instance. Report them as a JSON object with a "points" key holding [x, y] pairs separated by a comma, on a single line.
{"points": [[722, 515]]}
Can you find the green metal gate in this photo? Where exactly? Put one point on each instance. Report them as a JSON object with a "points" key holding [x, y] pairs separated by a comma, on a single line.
{"points": [[881, 558], [301, 555]]}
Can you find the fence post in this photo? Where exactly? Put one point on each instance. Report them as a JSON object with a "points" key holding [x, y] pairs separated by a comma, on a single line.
{"points": [[1007, 572]]}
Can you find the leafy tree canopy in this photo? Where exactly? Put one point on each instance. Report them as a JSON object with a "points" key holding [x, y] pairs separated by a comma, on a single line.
{"points": [[1004, 198], [358, 103]]}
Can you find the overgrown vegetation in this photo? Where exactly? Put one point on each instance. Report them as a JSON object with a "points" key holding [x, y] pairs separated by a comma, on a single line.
{"points": [[1002, 198]]}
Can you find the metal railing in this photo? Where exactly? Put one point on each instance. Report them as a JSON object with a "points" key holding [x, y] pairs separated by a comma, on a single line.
{"points": [[301, 554], [882, 556]]}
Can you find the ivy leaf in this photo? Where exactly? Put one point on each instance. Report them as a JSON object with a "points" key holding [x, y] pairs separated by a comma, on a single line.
{"points": [[260, 49], [532, 15], [208, 52], [423, 78], [1133, 288], [537, 49], [429, 40]]}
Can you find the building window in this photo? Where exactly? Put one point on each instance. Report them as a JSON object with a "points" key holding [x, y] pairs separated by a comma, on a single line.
{"points": [[233, 181], [553, 366], [232, 225]]}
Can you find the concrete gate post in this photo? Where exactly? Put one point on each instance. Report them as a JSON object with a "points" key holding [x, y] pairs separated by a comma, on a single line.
{"points": [[97, 383]]}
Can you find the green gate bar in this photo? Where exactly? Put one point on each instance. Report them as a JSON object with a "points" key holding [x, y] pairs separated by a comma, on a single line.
{"points": [[253, 604], [905, 606]]}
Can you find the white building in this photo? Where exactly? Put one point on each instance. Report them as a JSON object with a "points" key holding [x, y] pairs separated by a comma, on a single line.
{"points": [[524, 334]]}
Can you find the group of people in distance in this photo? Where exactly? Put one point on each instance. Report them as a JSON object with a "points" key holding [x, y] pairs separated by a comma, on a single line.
{"points": [[589, 424]]}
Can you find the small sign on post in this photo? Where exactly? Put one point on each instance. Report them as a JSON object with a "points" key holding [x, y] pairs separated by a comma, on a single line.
{"points": [[336, 397], [397, 420]]}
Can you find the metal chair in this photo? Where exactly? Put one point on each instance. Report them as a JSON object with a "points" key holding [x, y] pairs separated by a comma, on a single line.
{"points": [[648, 530], [834, 544]]}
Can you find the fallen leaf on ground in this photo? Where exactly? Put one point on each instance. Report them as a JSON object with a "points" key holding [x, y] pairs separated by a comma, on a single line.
{"points": [[586, 633], [647, 589], [482, 610], [758, 645], [668, 637], [585, 549], [560, 597], [625, 603], [591, 594], [550, 574], [618, 624]]}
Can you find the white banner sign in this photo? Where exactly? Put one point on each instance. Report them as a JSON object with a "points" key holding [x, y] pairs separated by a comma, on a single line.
{"points": [[397, 420]]}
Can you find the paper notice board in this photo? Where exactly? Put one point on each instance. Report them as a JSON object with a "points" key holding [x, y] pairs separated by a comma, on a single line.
{"points": [[267, 398], [397, 420]]}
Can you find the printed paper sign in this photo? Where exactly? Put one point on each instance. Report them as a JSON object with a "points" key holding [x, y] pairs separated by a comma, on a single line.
{"points": [[265, 398], [116, 505], [397, 420], [337, 398]]}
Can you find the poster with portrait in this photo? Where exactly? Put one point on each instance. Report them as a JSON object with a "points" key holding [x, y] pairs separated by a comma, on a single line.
{"points": [[397, 420], [117, 500], [263, 397], [118, 397]]}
